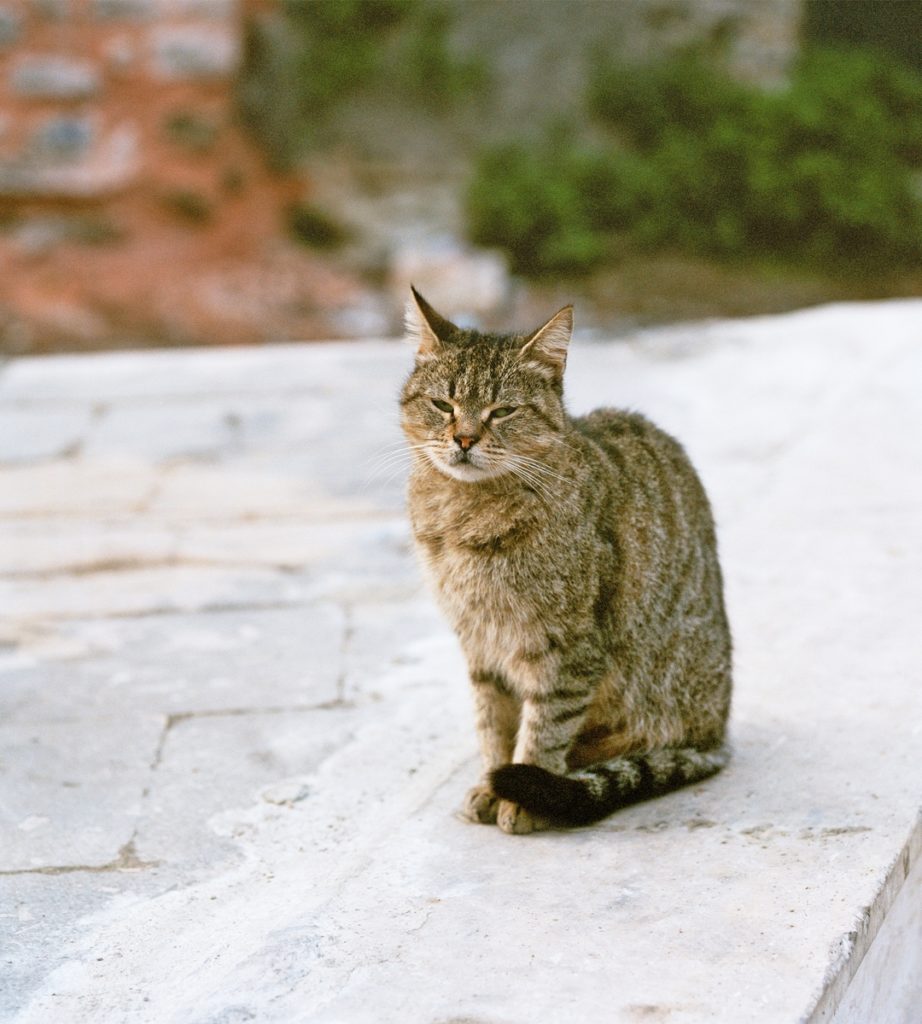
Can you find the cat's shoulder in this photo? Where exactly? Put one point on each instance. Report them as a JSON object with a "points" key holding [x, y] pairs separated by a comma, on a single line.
{"points": [[629, 438], [608, 424]]}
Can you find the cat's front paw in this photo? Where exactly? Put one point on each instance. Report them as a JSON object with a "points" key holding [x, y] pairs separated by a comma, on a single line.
{"points": [[480, 805], [516, 820]]}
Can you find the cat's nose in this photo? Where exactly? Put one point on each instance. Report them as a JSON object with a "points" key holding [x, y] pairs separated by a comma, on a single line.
{"points": [[465, 441]]}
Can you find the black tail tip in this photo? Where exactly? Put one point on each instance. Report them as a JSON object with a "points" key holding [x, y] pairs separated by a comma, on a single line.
{"points": [[513, 780], [537, 790]]}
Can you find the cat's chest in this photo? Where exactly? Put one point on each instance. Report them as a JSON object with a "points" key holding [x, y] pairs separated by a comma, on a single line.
{"points": [[493, 578], [486, 559], [479, 564], [491, 598]]}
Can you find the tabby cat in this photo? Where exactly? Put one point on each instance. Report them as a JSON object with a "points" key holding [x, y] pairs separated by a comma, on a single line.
{"points": [[577, 562]]}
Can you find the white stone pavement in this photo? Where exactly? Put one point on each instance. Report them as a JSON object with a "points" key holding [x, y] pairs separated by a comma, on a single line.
{"points": [[235, 732]]}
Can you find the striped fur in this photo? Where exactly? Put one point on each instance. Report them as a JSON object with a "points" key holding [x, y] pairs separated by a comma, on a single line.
{"points": [[576, 559]]}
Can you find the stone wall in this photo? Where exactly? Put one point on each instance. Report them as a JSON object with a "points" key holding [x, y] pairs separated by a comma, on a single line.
{"points": [[82, 83], [134, 209]]}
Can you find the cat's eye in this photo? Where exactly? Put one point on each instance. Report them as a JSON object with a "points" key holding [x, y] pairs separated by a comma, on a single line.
{"points": [[443, 406], [502, 412]]}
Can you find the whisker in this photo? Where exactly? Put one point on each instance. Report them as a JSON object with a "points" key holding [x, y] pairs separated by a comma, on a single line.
{"points": [[396, 461], [533, 482], [537, 470], [398, 449], [538, 467], [389, 472]]}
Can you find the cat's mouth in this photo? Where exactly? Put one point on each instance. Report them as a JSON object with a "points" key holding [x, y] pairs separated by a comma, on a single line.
{"points": [[463, 465]]}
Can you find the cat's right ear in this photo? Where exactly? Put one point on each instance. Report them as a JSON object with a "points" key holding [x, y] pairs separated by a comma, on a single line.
{"points": [[426, 329], [546, 348]]}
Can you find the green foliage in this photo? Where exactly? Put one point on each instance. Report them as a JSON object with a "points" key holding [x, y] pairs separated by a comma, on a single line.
{"points": [[189, 205], [300, 66], [431, 71], [551, 207], [821, 172], [894, 27], [339, 44], [312, 227], [95, 229], [646, 102], [233, 180], [191, 131]]}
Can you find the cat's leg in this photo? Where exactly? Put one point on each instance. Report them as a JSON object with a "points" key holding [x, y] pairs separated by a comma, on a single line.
{"points": [[551, 719], [497, 716]]}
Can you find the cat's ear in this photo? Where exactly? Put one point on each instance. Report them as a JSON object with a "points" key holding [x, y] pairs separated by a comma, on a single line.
{"points": [[425, 328], [546, 348]]}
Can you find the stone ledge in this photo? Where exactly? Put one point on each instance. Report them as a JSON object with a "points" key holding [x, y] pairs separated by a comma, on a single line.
{"points": [[288, 723]]}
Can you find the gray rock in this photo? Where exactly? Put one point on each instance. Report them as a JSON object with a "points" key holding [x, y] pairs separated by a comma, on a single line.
{"points": [[458, 280], [49, 76], [217, 10], [53, 10], [10, 26], [194, 51], [64, 138], [123, 10]]}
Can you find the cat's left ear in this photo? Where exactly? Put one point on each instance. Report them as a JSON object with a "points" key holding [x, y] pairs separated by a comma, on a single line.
{"points": [[426, 329], [547, 347]]}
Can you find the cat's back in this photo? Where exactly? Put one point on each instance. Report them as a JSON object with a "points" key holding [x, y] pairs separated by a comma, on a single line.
{"points": [[650, 472]]}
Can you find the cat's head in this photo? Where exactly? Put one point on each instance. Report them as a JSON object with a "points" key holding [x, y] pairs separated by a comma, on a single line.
{"points": [[480, 406]]}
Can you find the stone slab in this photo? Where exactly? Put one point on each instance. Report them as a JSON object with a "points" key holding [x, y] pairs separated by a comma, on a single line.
{"points": [[262, 758], [311, 864], [71, 487], [72, 791], [29, 434], [316, 372], [129, 591], [888, 984], [39, 915], [37, 547], [175, 664]]}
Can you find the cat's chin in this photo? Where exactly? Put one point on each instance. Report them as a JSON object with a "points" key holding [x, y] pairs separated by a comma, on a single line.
{"points": [[466, 472]]}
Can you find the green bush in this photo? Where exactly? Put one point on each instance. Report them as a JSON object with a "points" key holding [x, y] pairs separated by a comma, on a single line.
{"points": [[189, 205], [555, 208], [310, 56], [191, 131], [431, 72], [821, 172]]}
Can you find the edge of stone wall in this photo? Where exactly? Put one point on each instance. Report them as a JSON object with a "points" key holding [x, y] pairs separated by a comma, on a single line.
{"points": [[854, 946]]}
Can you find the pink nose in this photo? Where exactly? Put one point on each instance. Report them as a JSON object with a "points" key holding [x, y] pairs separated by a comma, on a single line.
{"points": [[465, 441]]}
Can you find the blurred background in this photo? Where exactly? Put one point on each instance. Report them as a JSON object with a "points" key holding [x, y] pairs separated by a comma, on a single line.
{"points": [[179, 172]]}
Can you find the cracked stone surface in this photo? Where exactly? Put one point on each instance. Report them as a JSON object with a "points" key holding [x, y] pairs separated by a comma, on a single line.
{"points": [[235, 732]]}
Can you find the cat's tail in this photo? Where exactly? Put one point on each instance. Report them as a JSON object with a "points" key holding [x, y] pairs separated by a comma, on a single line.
{"points": [[593, 793]]}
